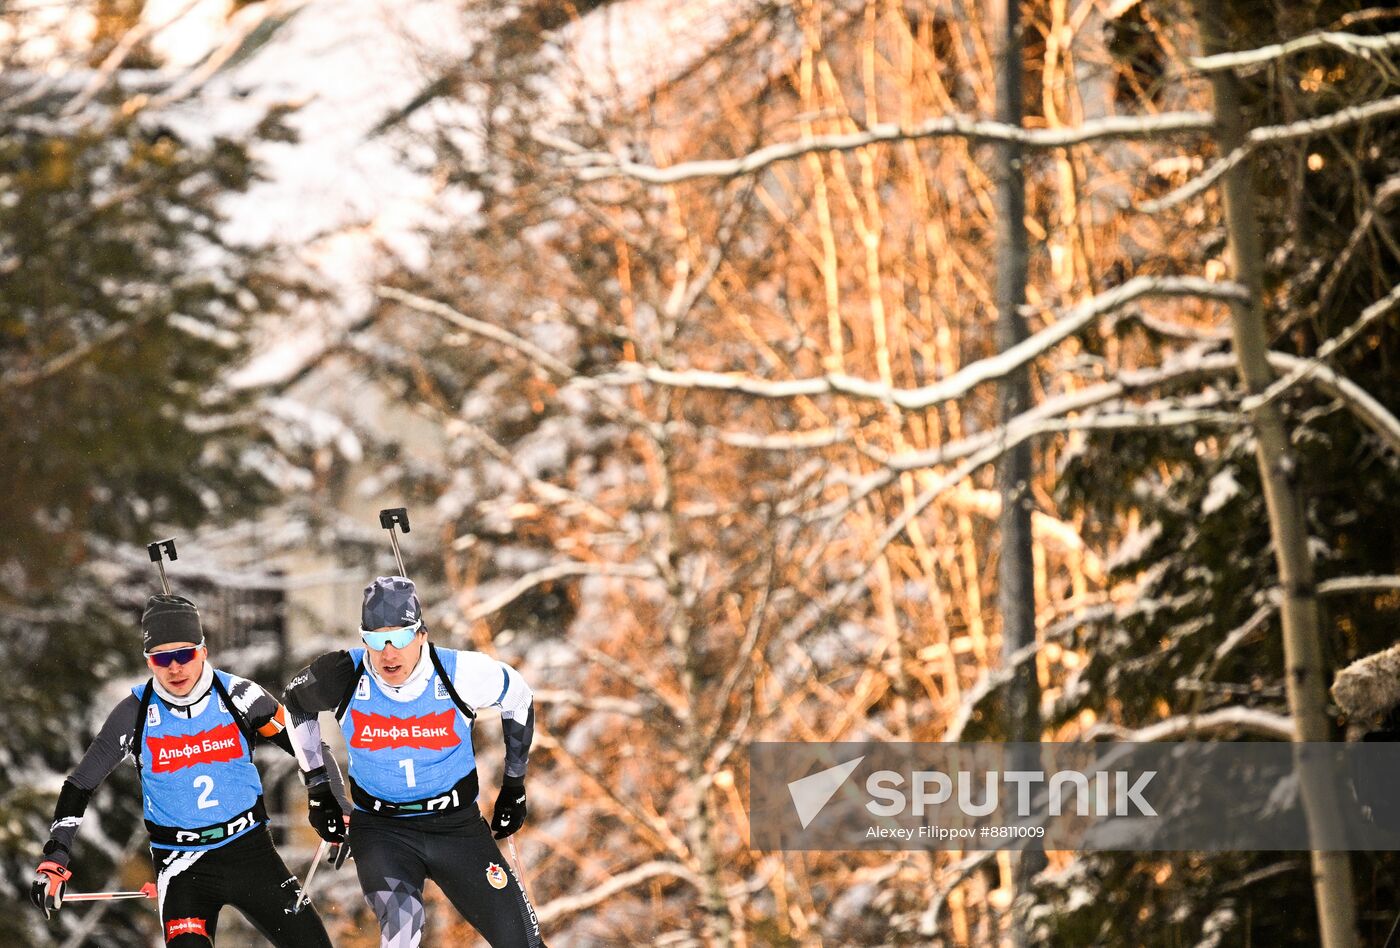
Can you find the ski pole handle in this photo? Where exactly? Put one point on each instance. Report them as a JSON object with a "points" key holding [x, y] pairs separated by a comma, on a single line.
{"points": [[389, 518], [158, 550]]}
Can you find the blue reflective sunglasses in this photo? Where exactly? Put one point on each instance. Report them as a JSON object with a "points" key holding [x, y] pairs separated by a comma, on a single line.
{"points": [[182, 655], [398, 638]]}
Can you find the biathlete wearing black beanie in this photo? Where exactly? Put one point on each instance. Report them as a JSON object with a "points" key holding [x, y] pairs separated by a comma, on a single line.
{"points": [[190, 730]]}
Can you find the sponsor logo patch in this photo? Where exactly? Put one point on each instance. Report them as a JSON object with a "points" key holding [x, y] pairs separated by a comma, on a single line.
{"points": [[185, 926], [213, 746], [496, 876], [362, 689], [439, 689], [152, 716], [376, 731]]}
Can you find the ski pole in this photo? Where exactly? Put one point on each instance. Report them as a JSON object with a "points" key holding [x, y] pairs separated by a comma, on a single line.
{"points": [[158, 551], [304, 899], [1390, 939], [389, 518], [519, 868], [147, 891]]}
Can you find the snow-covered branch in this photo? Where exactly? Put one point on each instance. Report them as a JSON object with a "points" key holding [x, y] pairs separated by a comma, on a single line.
{"points": [[1269, 134], [573, 699], [1363, 47], [989, 681], [956, 385], [1357, 400], [250, 28], [593, 166], [1351, 584], [787, 441], [478, 327], [1325, 351], [1332, 122], [549, 574], [1159, 414], [558, 908], [1046, 417], [1233, 720], [66, 360], [124, 47], [1330, 587]]}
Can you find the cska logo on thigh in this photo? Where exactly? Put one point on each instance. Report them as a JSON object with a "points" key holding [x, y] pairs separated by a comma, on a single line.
{"points": [[496, 876]]}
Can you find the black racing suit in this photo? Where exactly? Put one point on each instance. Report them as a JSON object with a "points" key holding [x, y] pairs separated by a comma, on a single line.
{"points": [[195, 883], [445, 839]]}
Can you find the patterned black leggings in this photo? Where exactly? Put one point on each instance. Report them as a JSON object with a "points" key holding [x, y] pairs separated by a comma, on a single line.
{"points": [[395, 854], [247, 874]]}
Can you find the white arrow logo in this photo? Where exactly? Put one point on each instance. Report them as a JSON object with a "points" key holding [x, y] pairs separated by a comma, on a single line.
{"points": [[811, 793]]}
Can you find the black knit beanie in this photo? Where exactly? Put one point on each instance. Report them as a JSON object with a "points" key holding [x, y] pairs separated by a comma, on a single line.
{"points": [[169, 619]]}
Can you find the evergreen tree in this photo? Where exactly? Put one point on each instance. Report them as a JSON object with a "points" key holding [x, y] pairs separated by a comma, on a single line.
{"points": [[122, 306], [1201, 560]]}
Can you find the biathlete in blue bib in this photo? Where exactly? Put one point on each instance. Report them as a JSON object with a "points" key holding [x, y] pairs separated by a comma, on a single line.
{"points": [[190, 730], [406, 709]]}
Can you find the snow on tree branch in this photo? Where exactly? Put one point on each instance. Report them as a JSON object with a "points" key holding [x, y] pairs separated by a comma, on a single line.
{"points": [[1222, 721], [1325, 351], [596, 165], [1363, 47], [1268, 134], [478, 327], [549, 574], [124, 47], [956, 385], [66, 360], [574, 699], [1330, 587], [558, 908], [1358, 401]]}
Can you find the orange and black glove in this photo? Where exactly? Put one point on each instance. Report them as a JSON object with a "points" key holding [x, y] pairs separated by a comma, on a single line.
{"points": [[50, 881]]}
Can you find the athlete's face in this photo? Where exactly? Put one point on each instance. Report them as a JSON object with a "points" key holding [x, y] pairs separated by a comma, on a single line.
{"points": [[177, 677], [394, 665]]}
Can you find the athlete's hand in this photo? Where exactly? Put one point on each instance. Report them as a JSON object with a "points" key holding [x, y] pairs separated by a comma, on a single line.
{"points": [[509, 814], [50, 882], [324, 812], [338, 854]]}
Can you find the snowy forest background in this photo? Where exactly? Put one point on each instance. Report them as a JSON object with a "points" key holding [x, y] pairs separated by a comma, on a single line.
{"points": [[691, 334]]}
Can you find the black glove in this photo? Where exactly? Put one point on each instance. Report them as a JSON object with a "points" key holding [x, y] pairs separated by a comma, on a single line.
{"points": [[50, 880], [338, 854], [509, 814], [325, 814]]}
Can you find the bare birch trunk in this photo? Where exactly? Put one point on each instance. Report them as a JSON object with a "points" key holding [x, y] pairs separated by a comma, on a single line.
{"points": [[1332, 884], [1016, 572]]}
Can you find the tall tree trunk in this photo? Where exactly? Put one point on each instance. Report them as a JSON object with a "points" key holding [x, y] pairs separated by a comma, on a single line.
{"points": [[1332, 884], [1016, 572]]}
